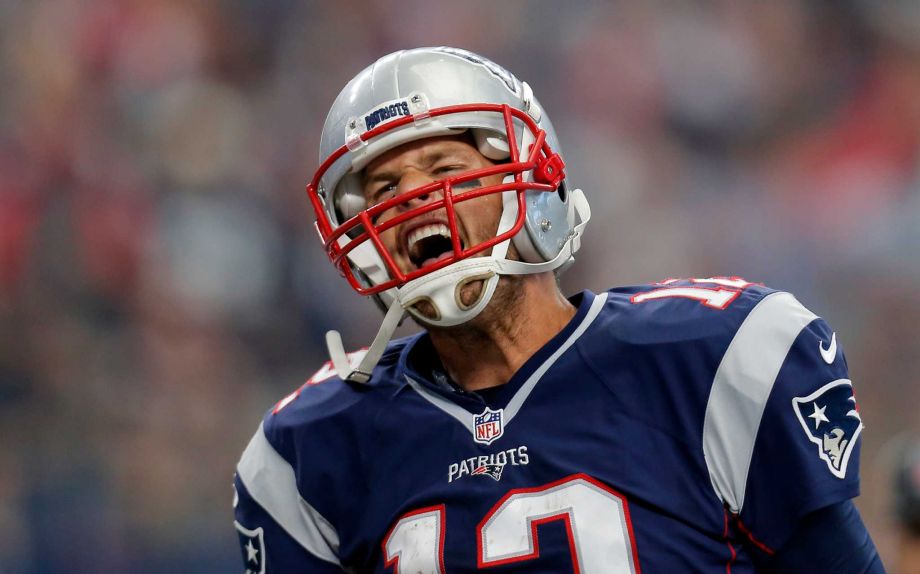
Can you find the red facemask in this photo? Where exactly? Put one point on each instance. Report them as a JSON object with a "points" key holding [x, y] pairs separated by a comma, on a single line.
{"points": [[546, 165]]}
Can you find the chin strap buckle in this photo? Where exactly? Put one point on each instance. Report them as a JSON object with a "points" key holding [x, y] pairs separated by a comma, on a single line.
{"points": [[358, 377], [550, 169]]}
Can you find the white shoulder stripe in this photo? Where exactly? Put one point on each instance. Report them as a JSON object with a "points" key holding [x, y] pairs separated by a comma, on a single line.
{"points": [[741, 388], [271, 482]]}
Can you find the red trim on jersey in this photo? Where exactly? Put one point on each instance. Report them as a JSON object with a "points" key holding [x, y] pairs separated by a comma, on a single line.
{"points": [[288, 399], [753, 540], [564, 516], [725, 533]]}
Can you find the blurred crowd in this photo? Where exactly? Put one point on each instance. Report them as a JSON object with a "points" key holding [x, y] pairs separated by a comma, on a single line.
{"points": [[161, 284]]}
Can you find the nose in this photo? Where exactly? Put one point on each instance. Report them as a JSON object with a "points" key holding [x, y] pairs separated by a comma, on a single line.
{"points": [[414, 179]]}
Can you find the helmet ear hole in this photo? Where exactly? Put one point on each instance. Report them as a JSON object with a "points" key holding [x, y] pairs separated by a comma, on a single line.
{"points": [[562, 191]]}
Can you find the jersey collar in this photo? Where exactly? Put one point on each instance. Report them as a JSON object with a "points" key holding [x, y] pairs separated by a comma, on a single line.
{"points": [[512, 394]]}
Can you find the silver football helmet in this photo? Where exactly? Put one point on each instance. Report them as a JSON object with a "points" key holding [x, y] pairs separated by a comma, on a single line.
{"points": [[428, 92]]}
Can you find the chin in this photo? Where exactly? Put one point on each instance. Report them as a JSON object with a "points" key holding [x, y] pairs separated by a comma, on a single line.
{"points": [[425, 310], [469, 293], [469, 296]]}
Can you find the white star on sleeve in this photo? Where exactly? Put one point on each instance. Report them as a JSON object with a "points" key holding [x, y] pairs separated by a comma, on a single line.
{"points": [[818, 415], [251, 553]]}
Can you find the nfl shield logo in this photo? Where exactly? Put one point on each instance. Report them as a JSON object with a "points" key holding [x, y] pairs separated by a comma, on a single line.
{"points": [[487, 426]]}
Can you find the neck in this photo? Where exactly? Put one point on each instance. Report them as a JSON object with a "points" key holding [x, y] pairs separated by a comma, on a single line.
{"points": [[524, 314]]}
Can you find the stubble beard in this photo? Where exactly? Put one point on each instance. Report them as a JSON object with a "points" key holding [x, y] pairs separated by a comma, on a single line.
{"points": [[498, 313]]}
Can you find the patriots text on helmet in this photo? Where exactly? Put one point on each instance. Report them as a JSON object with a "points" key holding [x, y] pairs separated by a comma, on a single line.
{"points": [[384, 113]]}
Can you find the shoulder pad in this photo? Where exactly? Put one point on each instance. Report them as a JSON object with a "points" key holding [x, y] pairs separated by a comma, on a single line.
{"points": [[328, 393], [684, 309]]}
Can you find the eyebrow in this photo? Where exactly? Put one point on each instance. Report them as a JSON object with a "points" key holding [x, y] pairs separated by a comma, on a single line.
{"points": [[430, 158]]}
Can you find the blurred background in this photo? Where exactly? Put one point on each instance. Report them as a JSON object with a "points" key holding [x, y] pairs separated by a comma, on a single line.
{"points": [[161, 285]]}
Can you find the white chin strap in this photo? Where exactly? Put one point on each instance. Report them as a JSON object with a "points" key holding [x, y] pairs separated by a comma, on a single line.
{"points": [[442, 289]]}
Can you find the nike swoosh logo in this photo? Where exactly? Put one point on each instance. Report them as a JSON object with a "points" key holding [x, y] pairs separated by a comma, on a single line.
{"points": [[830, 353]]}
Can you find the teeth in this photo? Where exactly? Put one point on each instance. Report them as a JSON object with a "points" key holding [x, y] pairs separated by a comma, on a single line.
{"points": [[427, 231]]}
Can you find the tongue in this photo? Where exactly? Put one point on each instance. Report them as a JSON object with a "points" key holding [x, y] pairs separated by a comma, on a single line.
{"points": [[440, 257]]}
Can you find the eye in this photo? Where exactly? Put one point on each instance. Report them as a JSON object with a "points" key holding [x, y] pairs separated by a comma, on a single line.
{"points": [[384, 192], [446, 169], [378, 196]]}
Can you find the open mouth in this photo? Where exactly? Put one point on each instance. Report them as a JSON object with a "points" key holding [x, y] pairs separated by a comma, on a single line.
{"points": [[429, 244]]}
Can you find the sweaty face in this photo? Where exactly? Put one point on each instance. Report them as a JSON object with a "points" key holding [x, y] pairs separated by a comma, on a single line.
{"points": [[426, 239]]}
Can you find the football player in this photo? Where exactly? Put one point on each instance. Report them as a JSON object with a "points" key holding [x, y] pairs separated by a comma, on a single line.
{"points": [[694, 425]]}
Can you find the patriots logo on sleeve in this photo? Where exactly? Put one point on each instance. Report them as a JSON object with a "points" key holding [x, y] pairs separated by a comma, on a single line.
{"points": [[831, 420], [253, 547]]}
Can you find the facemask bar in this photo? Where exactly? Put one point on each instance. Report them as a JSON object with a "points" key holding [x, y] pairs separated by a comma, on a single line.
{"points": [[546, 165]]}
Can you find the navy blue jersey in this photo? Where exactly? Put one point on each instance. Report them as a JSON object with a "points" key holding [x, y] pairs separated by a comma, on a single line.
{"points": [[675, 427]]}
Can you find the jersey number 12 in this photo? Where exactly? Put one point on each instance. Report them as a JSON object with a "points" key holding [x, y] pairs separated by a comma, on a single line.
{"points": [[596, 520]]}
